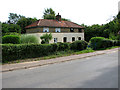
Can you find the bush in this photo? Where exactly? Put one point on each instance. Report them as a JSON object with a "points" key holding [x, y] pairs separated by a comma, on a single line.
{"points": [[12, 52], [101, 42], [28, 39], [78, 45], [14, 39], [63, 46], [116, 42], [107, 43], [96, 42], [54, 47]]}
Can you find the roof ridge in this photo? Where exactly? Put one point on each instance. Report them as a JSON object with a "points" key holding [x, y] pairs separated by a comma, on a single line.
{"points": [[38, 22]]}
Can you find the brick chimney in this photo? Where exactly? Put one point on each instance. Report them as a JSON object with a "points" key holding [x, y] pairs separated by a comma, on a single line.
{"points": [[58, 17]]}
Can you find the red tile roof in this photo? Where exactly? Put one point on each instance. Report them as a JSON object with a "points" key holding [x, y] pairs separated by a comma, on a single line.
{"points": [[53, 23]]}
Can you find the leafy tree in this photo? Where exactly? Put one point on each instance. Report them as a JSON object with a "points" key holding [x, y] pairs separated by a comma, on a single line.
{"points": [[46, 38], [13, 18], [49, 14], [23, 22], [10, 28]]}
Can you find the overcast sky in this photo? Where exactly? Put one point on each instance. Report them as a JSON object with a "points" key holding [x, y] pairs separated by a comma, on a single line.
{"points": [[79, 11]]}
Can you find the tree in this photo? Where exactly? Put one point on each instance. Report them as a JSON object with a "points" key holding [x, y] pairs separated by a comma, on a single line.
{"points": [[13, 18], [49, 14], [23, 22], [10, 28], [46, 38]]}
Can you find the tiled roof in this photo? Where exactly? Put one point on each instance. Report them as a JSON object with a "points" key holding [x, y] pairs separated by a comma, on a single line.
{"points": [[53, 23]]}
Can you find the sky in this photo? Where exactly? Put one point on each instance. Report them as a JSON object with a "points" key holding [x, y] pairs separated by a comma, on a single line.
{"points": [[86, 12]]}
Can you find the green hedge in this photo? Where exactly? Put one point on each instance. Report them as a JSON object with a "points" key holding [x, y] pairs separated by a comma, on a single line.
{"points": [[13, 39], [101, 42], [78, 45], [63, 46], [11, 52], [21, 51]]}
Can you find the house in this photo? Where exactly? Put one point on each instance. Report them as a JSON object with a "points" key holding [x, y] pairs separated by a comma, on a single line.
{"points": [[62, 31]]}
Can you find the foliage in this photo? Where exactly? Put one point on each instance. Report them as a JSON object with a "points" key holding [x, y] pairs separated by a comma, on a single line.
{"points": [[109, 30], [14, 39], [26, 39], [46, 38], [13, 18], [23, 22], [78, 45], [10, 28], [101, 42], [63, 46], [20, 51], [49, 14]]}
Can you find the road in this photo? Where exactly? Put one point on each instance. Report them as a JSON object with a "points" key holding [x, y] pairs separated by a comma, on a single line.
{"points": [[94, 72]]}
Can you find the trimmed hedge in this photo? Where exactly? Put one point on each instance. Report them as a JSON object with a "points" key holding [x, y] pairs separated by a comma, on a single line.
{"points": [[78, 45], [13, 39], [63, 46], [12, 52], [97, 43]]}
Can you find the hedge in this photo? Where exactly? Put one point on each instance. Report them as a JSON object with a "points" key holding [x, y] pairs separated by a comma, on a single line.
{"points": [[12, 52], [22, 51], [78, 45], [13, 39], [101, 42], [63, 46]]}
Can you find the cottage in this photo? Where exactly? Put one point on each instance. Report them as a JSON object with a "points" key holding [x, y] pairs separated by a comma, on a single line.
{"points": [[62, 31]]}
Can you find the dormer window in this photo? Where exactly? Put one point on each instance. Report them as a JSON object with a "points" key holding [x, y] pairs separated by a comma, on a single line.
{"points": [[45, 29], [71, 29], [57, 30]]}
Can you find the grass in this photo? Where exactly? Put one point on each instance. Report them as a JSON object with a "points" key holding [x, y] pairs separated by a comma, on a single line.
{"points": [[59, 54]]}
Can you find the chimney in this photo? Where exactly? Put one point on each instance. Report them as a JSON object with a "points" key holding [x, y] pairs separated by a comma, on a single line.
{"points": [[58, 17]]}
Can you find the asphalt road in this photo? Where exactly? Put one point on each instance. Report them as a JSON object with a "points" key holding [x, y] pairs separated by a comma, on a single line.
{"points": [[94, 72]]}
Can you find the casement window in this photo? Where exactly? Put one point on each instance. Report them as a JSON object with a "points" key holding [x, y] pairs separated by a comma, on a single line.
{"points": [[45, 29], [65, 39], [71, 29], [73, 39], [79, 38], [55, 40], [57, 30]]}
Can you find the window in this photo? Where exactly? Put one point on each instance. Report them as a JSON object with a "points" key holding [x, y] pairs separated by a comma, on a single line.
{"points": [[79, 30], [71, 29], [57, 29], [79, 38], [45, 29], [73, 39], [65, 39], [55, 40]]}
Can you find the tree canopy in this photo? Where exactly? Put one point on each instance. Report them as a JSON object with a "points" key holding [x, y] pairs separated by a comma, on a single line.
{"points": [[49, 13]]}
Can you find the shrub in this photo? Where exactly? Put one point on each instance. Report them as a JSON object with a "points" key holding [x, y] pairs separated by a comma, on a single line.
{"points": [[54, 47], [63, 46], [116, 42], [107, 43], [14, 39], [78, 45], [12, 52], [25, 38], [96, 42], [101, 42]]}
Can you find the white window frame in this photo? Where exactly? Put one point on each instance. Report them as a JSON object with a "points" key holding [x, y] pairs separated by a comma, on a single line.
{"points": [[57, 30], [45, 29], [55, 40]]}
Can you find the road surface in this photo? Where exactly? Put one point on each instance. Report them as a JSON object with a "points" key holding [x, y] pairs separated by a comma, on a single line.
{"points": [[94, 72]]}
